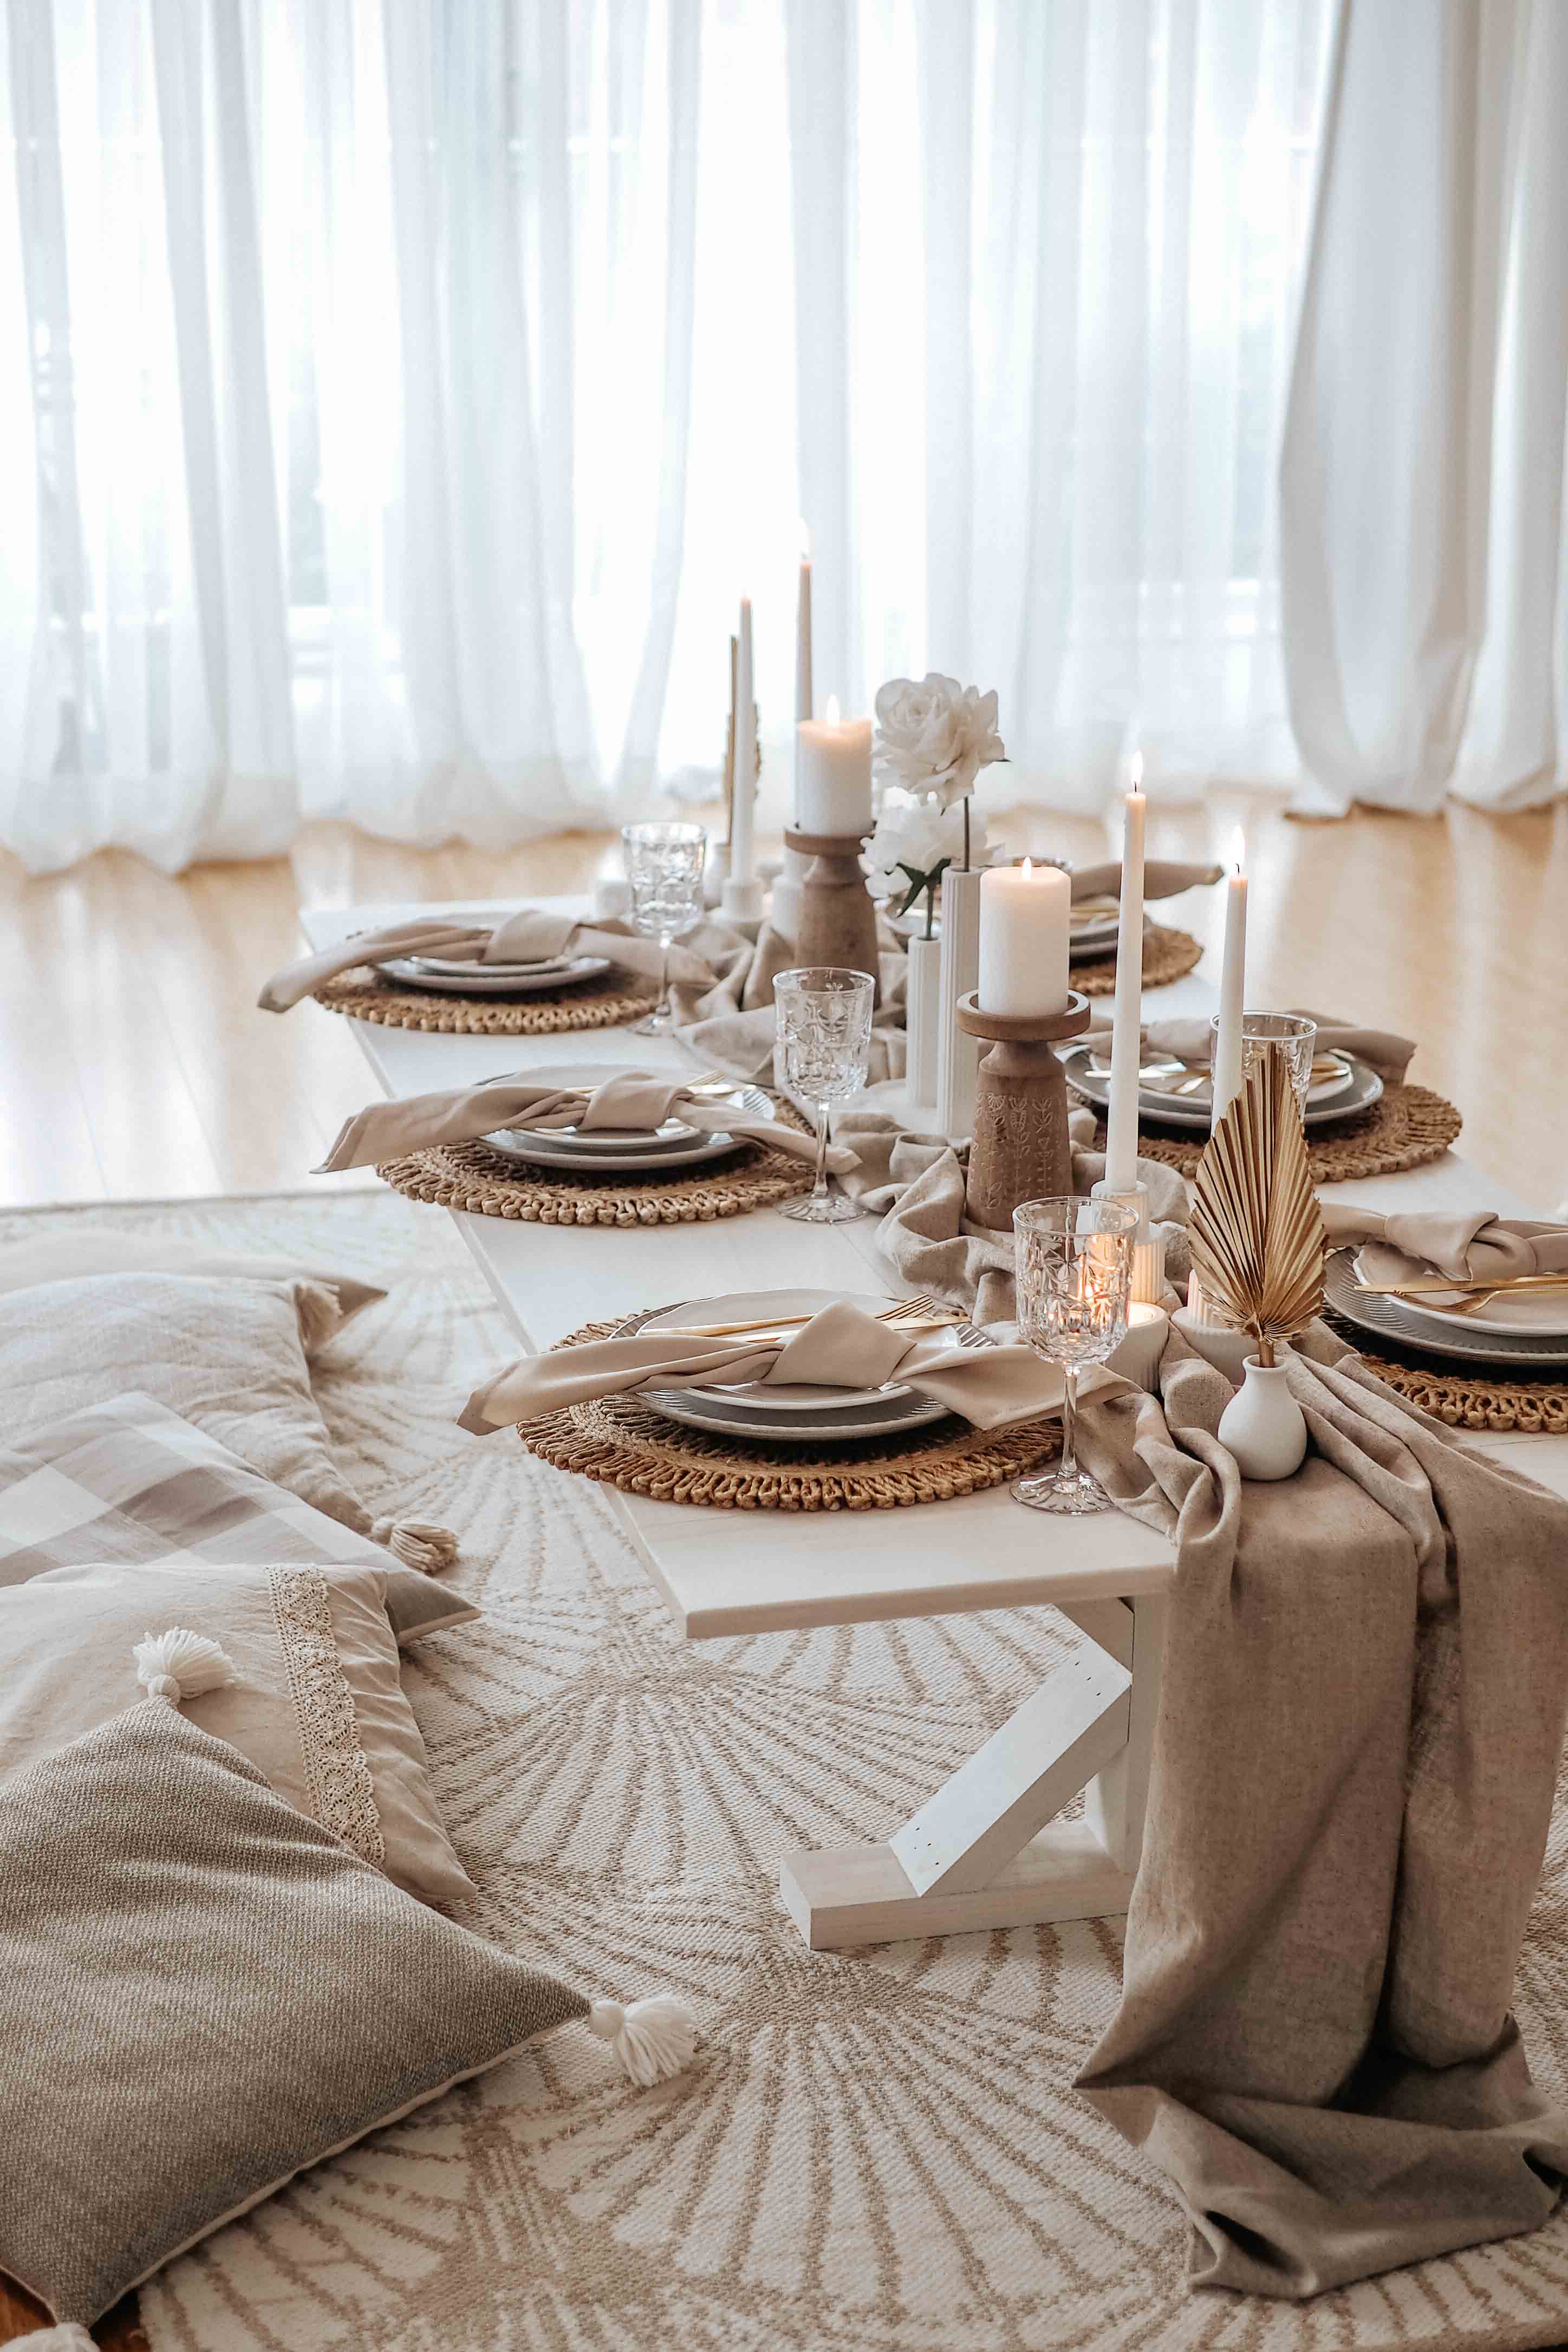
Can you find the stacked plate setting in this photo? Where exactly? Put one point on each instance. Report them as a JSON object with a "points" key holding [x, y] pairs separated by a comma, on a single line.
{"points": [[1172, 1093], [1528, 1331], [614, 1151], [793, 1415], [448, 977]]}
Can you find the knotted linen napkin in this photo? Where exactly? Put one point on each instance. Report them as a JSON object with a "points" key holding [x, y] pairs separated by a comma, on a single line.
{"points": [[632, 1099], [842, 1347], [915, 1183], [1466, 1245], [530, 935], [1362, 1708], [1192, 1040], [1164, 877]]}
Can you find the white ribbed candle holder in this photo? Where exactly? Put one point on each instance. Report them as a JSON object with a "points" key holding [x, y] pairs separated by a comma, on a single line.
{"points": [[923, 1022], [742, 901], [786, 910], [1148, 1286], [957, 1054]]}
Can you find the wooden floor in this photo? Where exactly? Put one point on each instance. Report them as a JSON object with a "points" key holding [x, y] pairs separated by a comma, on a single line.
{"points": [[133, 1064]]}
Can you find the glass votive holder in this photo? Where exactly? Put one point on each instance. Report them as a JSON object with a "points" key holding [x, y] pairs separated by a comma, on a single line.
{"points": [[1289, 1034]]}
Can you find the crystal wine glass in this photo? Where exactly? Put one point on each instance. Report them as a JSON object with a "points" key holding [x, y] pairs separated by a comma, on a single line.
{"points": [[821, 1044], [1290, 1034], [1072, 1270], [665, 875]]}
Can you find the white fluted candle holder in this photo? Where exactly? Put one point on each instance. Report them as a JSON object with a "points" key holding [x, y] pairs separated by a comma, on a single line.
{"points": [[958, 1054], [923, 1022], [1148, 1285]]}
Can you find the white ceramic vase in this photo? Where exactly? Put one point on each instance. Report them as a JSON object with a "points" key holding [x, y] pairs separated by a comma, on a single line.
{"points": [[923, 1022], [957, 1054], [1263, 1426]]}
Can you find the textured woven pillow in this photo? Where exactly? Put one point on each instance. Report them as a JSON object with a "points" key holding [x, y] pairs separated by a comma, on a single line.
{"points": [[317, 1704], [130, 1481], [66, 1254], [214, 1996], [227, 1354]]}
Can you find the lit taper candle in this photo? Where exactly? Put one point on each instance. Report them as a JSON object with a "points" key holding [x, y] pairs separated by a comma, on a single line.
{"points": [[1127, 1033], [743, 810], [1232, 991]]}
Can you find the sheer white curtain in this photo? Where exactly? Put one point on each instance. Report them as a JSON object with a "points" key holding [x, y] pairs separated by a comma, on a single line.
{"points": [[1426, 559], [345, 357]]}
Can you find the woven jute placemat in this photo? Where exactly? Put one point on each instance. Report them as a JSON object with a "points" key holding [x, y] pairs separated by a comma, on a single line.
{"points": [[1168, 954], [602, 1004], [1407, 1126], [622, 1442], [476, 1177], [1482, 1399]]}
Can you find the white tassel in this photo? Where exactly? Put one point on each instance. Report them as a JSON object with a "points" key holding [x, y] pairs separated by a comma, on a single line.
{"points": [[181, 1664], [653, 2039], [417, 1543]]}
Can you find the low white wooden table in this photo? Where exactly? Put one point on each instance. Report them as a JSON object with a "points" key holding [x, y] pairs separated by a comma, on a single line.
{"points": [[985, 1851]]}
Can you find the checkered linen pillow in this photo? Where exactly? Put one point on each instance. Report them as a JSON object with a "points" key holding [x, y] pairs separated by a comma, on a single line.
{"points": [[128, 1483]]}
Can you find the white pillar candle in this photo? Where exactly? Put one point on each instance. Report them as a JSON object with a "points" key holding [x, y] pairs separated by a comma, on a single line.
{"points": [[743, 812], [1126, 1035], [1233, 996], [1025, 924], [832, 774]]}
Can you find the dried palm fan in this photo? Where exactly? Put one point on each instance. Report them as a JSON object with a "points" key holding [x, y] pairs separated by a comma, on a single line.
{"points": [[1255, 1231]]}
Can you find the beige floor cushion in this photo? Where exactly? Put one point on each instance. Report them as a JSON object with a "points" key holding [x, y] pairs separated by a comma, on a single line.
{"points": [[317, 1704], [130, 1481], [223, 1353], [212, 1993], [96, 1250]]}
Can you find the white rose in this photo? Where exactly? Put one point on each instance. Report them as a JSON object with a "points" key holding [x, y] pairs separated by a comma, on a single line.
{"points": [[935, 737]]}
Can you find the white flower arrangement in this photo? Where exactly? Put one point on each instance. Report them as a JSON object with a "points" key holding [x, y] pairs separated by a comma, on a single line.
{"points": [[914, 842]]}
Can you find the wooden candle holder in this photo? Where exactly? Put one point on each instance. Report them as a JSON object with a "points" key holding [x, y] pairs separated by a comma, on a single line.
{"points": [[838, 918], [1021, 1150]]}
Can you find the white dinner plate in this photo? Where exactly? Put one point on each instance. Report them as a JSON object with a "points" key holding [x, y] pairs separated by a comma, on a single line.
{"points": [[459, 967], [757, 1408], [605, 1152], [1088, 1070], [1543, 1314], [477, 980], [1450, 1336]]}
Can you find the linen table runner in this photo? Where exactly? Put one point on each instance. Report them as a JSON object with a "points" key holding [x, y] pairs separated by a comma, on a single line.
{"points": [[1361, 1708]]}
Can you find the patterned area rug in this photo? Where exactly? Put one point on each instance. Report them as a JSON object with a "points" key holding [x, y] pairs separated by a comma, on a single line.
{"points": [[873, 2153]]}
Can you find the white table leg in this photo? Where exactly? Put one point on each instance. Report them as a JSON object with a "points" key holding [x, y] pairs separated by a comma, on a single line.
{"points": [[985, 1851]]}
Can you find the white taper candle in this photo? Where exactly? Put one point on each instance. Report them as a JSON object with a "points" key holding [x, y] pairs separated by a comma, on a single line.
{"points": [[1127, 1031], [1232, 997], [743, 813]]}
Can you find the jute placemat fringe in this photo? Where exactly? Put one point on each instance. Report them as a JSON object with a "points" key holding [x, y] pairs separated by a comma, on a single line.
{"points": [[1407, 1127], [602, 1004], [1482, 1399], [622, 1442]]}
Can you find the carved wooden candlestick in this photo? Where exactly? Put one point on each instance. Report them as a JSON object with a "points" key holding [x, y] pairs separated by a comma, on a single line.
{"points": [[1021, 1150], [838, 919]]}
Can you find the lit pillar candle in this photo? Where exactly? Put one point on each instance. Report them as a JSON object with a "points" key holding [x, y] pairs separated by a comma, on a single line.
{"points": [[832, 774], [1126, 1037], [1025, 923], [1232, 994], [743, 810]]}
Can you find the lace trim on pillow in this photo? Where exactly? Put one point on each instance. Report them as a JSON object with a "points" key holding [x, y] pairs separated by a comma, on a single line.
{"points": [[337, 1770]]}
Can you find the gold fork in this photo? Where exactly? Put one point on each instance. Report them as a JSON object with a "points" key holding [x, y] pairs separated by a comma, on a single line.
{"points": [[921, 1310]]}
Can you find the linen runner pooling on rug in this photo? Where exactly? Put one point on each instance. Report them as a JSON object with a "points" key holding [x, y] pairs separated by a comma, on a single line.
{"points": [[1362, 1710], [531, 935], [635, 1099]]}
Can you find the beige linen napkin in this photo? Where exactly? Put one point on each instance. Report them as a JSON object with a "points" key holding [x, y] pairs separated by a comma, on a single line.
{"points": [[915, 1182], [1361, 1714], [1468, 1246], [1191, 1040], [529, 936], [634, 1098], [729, 1023], [842, 1347], [1162, 878]]}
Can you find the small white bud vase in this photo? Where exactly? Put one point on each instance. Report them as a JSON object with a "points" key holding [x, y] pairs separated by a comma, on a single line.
{"points": [[1263, 1426], [923, 1022]]}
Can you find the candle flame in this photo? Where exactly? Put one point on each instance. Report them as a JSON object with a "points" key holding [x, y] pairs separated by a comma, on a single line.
{"points": [[832, 714], [1238, 849], [1136, 773], [1027, 866], [805, 541]]}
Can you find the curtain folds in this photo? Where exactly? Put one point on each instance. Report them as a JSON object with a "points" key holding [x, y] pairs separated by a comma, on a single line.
{"points": [[396, 396]]}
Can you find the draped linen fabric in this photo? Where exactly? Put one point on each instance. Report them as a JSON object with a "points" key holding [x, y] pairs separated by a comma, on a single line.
{"points": [[397, 395]]}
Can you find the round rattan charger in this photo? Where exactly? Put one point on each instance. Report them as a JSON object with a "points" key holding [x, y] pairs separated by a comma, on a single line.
{"points": [[601, 1004], [488, 1183], [1482, 1399], [1407, 1126], [1168, 954], [622, 1442]]}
